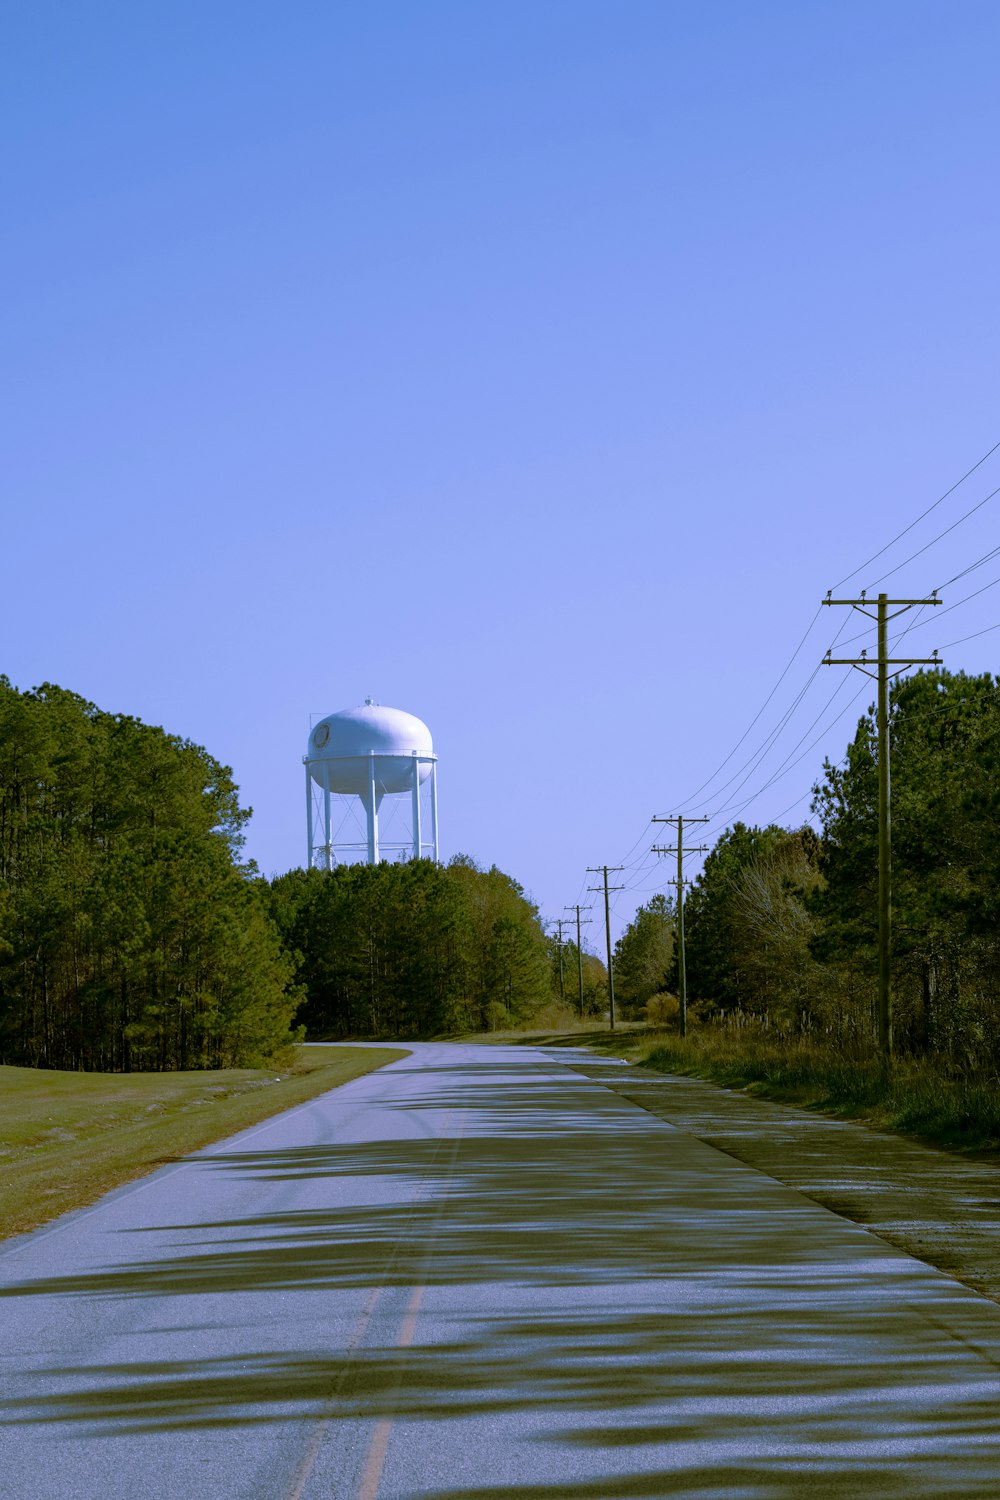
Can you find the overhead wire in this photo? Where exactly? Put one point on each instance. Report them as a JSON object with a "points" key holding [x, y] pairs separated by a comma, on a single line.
{"points": [[975, 635], [913, 624], [949, 608], [638, 866], [787, 764], [786, 810], [979, 563], [763, 706], [917, 716], [759, 755], [940, 537], [751, 765], [933, 619], [624, 858], [791, 760], [900, 534]]}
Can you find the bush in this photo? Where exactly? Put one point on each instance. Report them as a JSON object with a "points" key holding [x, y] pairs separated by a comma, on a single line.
{"points": [[663, 1010]]}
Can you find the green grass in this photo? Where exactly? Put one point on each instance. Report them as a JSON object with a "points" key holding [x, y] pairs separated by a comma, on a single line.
{"points": [[922, 1097], [66, 1138], [919, 1097], [555, 1025]]}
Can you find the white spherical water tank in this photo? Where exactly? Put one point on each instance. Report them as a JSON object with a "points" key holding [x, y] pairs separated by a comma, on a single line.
{"points": [[340, 747], [370, 752]]}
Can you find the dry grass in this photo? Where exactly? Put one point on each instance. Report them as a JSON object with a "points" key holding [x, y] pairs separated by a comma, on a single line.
{"points": [[924, 1097], [66, 1138], [919, 1096], [555, 1024]]}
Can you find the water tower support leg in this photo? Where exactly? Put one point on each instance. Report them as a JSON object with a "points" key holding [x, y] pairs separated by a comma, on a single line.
{"points": [[327, 845], [372, 812], [434, 808], [418, 845], [309, 818]]}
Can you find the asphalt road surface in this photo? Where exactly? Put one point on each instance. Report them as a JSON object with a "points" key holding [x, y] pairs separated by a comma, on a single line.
{"points": [[477, 1273]]}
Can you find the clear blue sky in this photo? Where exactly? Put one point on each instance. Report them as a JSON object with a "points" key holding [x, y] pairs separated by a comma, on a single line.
{"points": [[533, 367]]}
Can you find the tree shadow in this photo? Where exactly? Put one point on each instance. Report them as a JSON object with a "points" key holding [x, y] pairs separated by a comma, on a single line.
{"points": [[653, 1307]]}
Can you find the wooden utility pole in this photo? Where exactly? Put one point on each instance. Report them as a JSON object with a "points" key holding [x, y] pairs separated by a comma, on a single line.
{"points": [[680, 851], [579, 948], [596, 870], [883, 676], [561, 922]]}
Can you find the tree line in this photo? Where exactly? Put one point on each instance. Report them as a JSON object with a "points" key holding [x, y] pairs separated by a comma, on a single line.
{"points": [[412, 949], [130, 937], [134, 935], [781, 924]]}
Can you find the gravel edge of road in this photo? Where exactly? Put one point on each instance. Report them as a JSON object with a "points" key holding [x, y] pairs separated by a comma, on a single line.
{"points": [[939, 1206]]}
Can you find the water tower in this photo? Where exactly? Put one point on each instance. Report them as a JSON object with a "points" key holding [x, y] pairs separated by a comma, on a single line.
{"points": [[361, 756]]}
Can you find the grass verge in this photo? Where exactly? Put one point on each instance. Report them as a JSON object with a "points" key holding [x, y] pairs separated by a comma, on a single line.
{"points": [[556, 1025], [66, 1138], [917, 1096], [920, 1097]]}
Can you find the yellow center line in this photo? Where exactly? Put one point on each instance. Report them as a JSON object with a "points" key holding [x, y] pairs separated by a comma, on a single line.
{"points": [[380, 1441], [357, 1334], [361, 1326], [372, 1476]]}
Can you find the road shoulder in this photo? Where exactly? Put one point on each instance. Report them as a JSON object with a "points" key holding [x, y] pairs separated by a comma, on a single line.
{"points": [[939, 1206]]}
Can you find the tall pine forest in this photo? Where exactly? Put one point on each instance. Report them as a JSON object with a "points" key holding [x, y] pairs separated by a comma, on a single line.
{"points": [[134, 936]]}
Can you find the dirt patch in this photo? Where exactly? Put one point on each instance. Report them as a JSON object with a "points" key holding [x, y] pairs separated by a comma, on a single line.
{"points": [[940, 1206]]}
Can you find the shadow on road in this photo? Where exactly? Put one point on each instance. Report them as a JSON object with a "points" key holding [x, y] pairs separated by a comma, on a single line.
{"points": [[712, 1330]]}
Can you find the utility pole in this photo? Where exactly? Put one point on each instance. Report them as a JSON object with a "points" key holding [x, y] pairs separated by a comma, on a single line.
{"points": [[680, 851], [579, 948], [561, 922], [883, 676], [596, 870]]}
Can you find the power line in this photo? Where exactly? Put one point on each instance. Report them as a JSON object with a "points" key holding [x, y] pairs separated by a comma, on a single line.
{"points": [[785, 767], [757, 715], [882, 676], [899, 535], [919, 623], [561, 922], [750, 765], [934, 540], [972, 637], [957, 605], [786, 810], [754, 761], [738, 808], [678, 849], [596, 870], [758, 756], [625, 865], [916, 625], [579, 947], [987, 557], [774, 775], [638, 865], [788, 764]]}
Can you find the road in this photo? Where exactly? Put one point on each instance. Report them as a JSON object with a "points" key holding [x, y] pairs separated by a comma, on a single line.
{"points": [[479, 1275]]}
